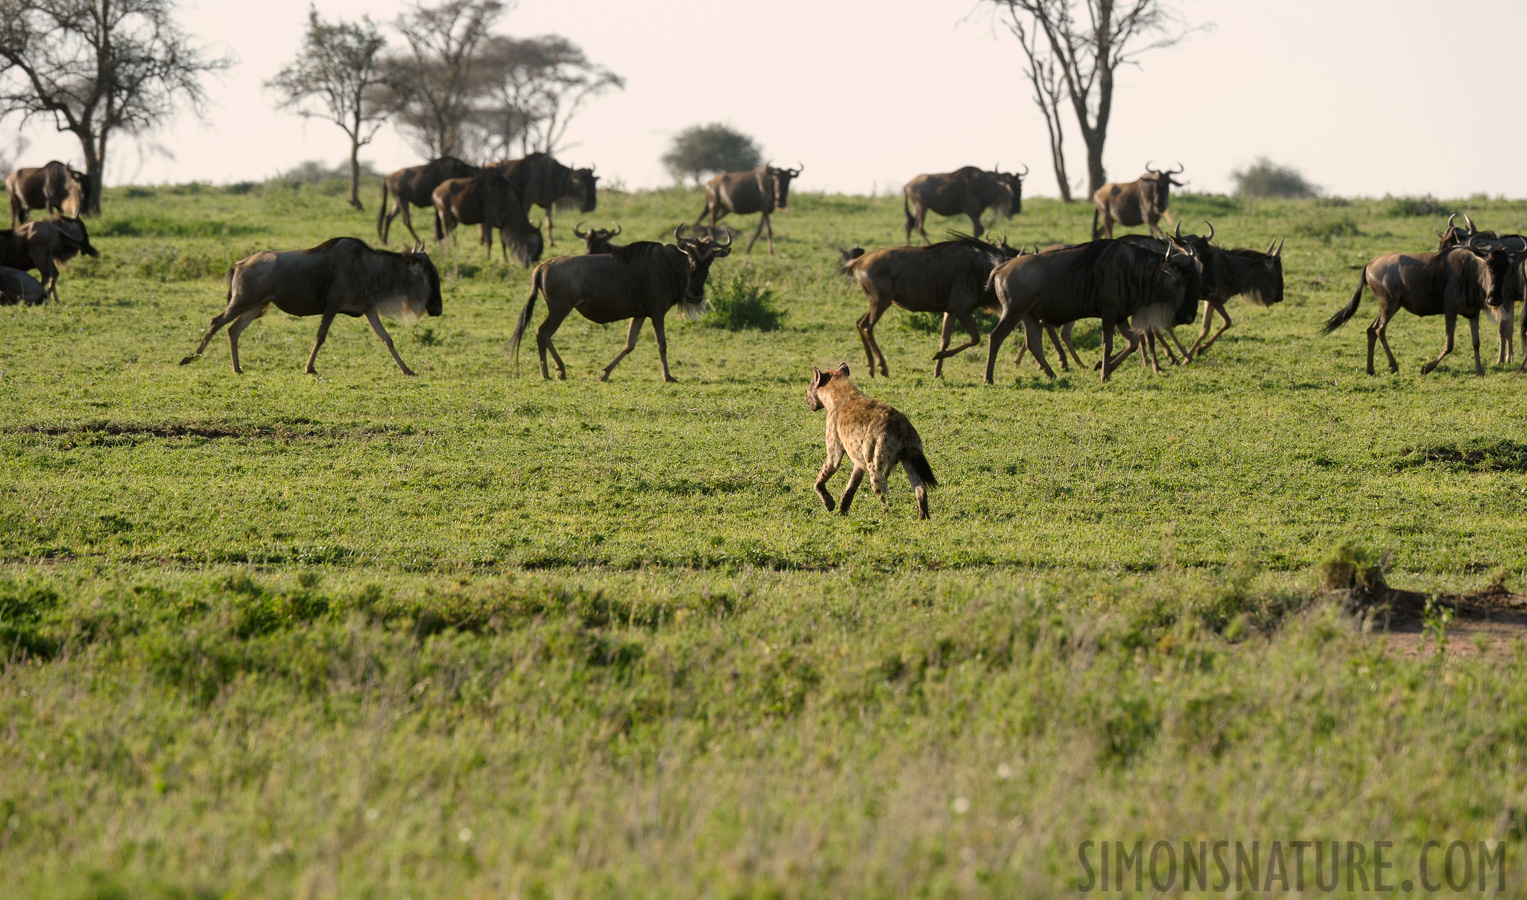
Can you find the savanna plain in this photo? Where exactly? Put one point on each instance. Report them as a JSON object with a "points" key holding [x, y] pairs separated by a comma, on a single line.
{"points": [[478, 634]]}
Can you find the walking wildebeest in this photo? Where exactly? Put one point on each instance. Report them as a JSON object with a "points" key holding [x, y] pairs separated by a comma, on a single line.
{"points": [[1458, 281], [597, 240], [415, 186], [1115, 281], [967, 191], [637, 282], [948, 277], [760, 190], [17, 286], [341, 276], [487, 200], [50, 187], [41, 245], [875, 436], [540, 180], [1515, 283], [1140, 202]]}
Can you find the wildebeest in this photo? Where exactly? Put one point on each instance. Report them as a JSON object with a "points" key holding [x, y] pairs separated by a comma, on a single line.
{"points": [[488, 201], [42, 245], [1252, 274], [967, 191], [597, 240], [1115, 281], [17, 286], [760, 190], [341, 276], [637, 282], [540, 180], [1458, 281], [415, 186], [1514, 287], [1140, 202], [875, 435], [948, 277], [55, 187]]}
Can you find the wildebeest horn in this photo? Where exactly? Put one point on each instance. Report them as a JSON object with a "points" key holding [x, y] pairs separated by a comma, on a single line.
{"points": [[728, 236], [578, 233], [1178, 233], [617, 230], [1211, 230], [1449, 226], [1178, 170], [1470, 221], [677, 232], [1148, 166], [1025, 173]]}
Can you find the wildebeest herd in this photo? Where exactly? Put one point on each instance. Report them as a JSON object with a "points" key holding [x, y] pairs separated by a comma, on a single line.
{"points": [[1139, 287]]}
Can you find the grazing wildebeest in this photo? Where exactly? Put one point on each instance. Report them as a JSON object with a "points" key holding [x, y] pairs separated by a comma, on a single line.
{"points": [[1140, 202], [341, 276], [875, 436], [53, 187], [1458, 281], [17, 286], [42, 245], [1115, 281], [637, 282], [967, 191], [947, 277], [760, 190], [415, 186], [487, 200], [597, 240], [540, 180]]}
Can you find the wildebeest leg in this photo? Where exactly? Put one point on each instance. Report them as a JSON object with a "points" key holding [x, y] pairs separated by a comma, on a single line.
{"points": [[408, 219], [1201, 345], [1450, 323], [918, 488], [1479, 368], [1504, 319], [848, 492], [1005, 324], [662, 347], [1378, 331], [762, 221], [1034, 336], [1107, 365], [551, 240], [376, 325], [236, 329], [218, 321], [967, 320], [632, 334], [323, 332], [975, 223], [872, 349], [1055, 341], [1171, 334], [834, 459], [554, 317]]}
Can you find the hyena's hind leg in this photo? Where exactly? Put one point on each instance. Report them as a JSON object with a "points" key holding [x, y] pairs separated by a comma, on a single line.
{"points": [[919, 487], [853, 485]]}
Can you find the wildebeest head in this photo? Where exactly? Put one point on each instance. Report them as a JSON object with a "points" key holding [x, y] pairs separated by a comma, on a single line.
{"points": [[779, 179], [1182, 263], [74, 228], [597, 240], [421, 265], [1497, 258], [700, 252], [1014, 182], [819, 380], [1266, 287], [1159, 182], [585, 191], [1453, 235]]}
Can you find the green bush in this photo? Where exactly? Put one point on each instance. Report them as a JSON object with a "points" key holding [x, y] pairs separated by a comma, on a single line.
{"points": [[1414, 207], [1265, 178], [738, 303]]}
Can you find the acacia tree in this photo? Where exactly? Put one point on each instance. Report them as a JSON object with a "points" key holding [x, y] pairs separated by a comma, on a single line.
{"points": [[339, 68], [436, 82], [534, 88], [1080, 44], [97, 68], [710, 148]]}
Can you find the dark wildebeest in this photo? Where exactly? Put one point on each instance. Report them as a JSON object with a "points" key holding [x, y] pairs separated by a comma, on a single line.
{"points": [[43, 245], [1458, 281], [597, 240], [415, 186], [637, 282], [947, 277], [760, 190], [17, 286], [1252, 274], [1515, 283], [341, 276], [487, 200], [540, 180], [874, 435], [967, 191], [1115, 281], [52, 187], [1140, 202]]}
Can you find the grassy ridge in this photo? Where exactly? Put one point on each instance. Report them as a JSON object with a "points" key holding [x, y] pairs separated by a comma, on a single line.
{"points": [[475, 633]]}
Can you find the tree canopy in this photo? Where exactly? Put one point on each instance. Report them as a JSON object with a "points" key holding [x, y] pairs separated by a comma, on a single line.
{"points": [[700, 149]]}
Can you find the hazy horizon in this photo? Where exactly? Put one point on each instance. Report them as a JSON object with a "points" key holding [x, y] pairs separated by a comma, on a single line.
{"points": [[1364, 98]]}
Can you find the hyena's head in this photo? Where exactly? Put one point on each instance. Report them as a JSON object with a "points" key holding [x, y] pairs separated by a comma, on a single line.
{"points": [[819, 381]]}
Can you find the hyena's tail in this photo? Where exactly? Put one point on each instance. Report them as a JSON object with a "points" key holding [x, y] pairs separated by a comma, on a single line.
{"points": [[917, 462]]}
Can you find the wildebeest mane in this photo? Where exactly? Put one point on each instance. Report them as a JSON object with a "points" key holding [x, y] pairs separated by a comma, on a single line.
{"points": [[637, 251]]}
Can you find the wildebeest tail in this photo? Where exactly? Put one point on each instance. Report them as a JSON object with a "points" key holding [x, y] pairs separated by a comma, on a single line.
{"points": [[381, 215], [536, 287], [919, 464], [1346, 312], [845, 263]]}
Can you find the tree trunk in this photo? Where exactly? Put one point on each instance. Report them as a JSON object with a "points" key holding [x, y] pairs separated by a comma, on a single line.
{"points": [[355, 174], [1096, 177], [95, 167]]}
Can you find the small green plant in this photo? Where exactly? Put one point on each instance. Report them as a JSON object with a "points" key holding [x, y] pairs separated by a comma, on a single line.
{"points": [[1352, 567], [738, 303], [1437, 618], [1327, 228]]}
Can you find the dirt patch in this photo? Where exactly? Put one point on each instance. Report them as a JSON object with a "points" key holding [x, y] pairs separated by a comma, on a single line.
{"points": [[1492, 622], [1469, 456], [107, 433]]}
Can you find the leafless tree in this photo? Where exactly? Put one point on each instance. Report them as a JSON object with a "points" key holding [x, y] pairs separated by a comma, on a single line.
{"points": [[436, 82], [534, 88], [1080, 44], [338, 69], [98, 68]]}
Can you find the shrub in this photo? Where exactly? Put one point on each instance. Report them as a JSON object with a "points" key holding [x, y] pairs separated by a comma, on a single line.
{"points": [[1327, 228], [738, 303], [1265, 178], [1414, 207], [1352, 567]]}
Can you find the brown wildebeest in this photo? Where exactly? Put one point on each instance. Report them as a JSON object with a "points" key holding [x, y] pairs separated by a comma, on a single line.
{"points": [[487, 200], [341, 276], [540, 180], [639, 281], [1515, 284], [875, 435], [52, 187], [17, 286], [597, 240], [1115, 281], [42, 245], [1140, 202], [760, 190], [967, 191], [1458, 281], [415, 186], [947, 277]]}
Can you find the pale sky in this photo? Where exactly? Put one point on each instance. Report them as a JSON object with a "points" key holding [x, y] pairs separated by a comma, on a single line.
{"points": [[1366, 97]]}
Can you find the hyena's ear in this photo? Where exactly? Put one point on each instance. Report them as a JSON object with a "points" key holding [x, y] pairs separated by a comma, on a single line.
{"points": [[843, 369]]}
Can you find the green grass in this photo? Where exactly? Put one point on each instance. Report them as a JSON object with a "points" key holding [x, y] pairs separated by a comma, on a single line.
{"points": [[476, 634]]}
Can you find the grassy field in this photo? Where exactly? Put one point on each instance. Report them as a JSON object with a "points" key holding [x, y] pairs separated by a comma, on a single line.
{"points": [[476, 634]]}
